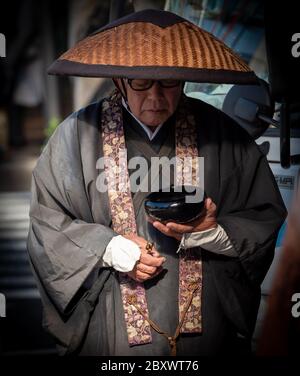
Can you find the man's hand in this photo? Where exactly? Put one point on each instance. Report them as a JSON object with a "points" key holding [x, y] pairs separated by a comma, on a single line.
{"points": [[149, 264], [206, 221]]}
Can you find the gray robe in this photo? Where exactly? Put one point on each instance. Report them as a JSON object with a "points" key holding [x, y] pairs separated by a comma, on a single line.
{"points": [[71, 227]]}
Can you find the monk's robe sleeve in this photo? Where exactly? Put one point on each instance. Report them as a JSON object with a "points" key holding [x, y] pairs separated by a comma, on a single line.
{"points": [[251, 209], [64, 244]]}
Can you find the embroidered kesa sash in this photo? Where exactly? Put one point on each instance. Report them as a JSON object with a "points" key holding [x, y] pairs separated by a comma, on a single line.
{"points": [[123, 220]]}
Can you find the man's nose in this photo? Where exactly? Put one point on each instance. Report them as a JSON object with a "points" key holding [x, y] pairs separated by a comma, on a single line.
{"points": [[156, 89]]}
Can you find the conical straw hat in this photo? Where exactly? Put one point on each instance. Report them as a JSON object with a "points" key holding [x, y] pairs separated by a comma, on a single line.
{"points": [[154, 44]]}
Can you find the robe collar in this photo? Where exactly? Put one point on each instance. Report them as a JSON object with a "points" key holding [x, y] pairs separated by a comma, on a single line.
{"points": [[146, 129]]}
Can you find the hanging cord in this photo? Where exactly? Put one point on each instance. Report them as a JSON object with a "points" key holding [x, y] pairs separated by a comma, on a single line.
{"points": [[193, 287]]}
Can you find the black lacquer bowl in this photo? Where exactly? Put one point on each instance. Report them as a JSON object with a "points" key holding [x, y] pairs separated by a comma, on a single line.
{"points": [[173, 206]]}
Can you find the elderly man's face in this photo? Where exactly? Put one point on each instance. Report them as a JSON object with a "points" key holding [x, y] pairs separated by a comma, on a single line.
{"points": [[155, 105]]}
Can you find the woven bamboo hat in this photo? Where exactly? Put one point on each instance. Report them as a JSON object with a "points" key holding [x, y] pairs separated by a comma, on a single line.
{"points": [[154, 44]]}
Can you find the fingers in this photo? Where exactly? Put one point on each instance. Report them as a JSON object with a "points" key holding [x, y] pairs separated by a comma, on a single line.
{"points": [[210, 206], [150, 263], [179, 228], [152, 260], [146, 268], [148, 257], [206, 220], [142, 243], [207, 203], [154, 253], [166, 230], [141, 276]]}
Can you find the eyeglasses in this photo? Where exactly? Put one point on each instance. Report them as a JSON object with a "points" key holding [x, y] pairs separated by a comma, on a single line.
{"points": [[145, 84]]}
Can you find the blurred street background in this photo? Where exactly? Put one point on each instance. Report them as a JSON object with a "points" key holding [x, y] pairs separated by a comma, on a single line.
{"points": [[32, 104]]}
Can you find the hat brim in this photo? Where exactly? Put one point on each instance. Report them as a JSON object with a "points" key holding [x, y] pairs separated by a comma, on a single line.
{"points": [[66, 67], [156, 45]]}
